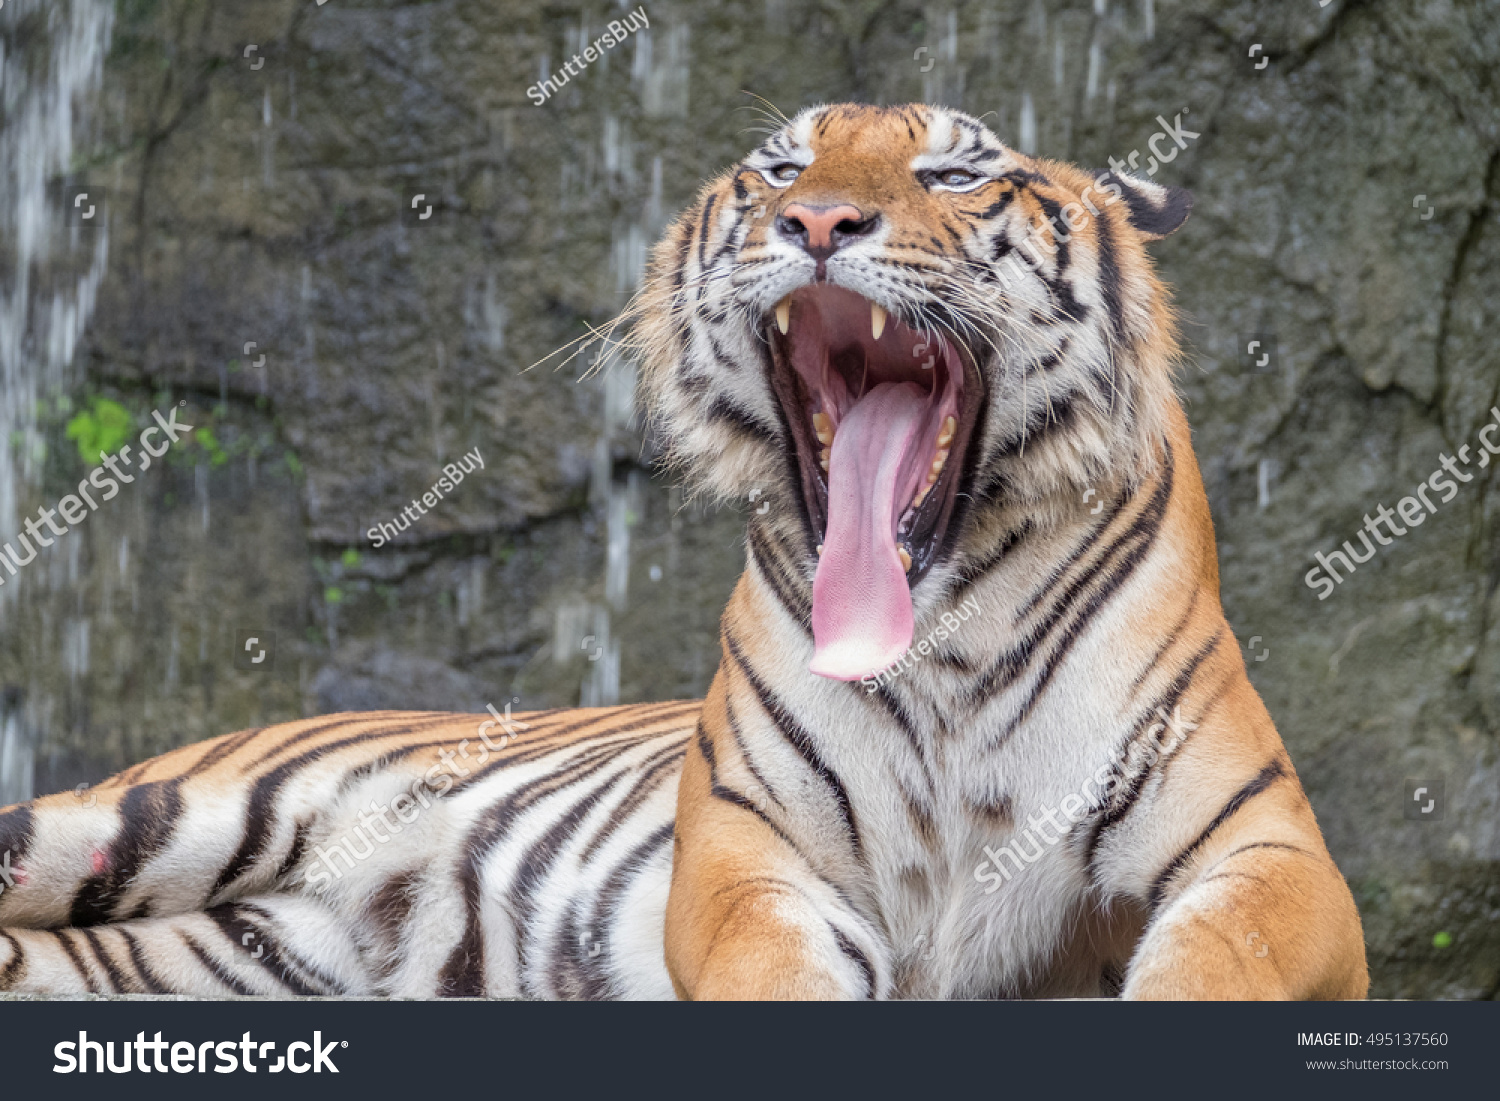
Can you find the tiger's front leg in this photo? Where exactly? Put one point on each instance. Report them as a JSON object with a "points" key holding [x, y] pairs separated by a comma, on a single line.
{"points": [[747, 917], [1254, 908]]}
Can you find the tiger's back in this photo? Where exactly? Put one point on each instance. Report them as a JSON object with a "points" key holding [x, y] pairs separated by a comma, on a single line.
{"points": [[396, 853]]}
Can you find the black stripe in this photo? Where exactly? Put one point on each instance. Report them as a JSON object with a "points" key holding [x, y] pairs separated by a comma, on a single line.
{"points": [[708, 210], [148, 817], [143, 970], [1165, 704], [852, 951], [650, 715], [1024, 177], [215, 968], [1171, 696], [735, 798], [738, 735], [1262, 845], [1017, 661], [721, 357], [791, 595], [228, 744], [303, 735], [571, 965], [294, 854], [257, 943], [652, 771], [1052, 416], [679, 271], [538, 860], [116, 977], [1061, 288], [1138, 537], [260, 816], [76, 960], [331, 983], [694, 384], [953, 661], [884, 695], [973, 571], [729, 795], [922, 822], [611, 895], [17, 965], [17, 831], [798, 737], [463, 975], [723, 411], [1262, 780], [1168, 641], [1110, 283], [729, 245], [1090, 541]]}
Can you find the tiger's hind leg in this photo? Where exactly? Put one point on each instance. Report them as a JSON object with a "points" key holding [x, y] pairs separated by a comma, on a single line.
{"points": [[270, 946], [204, 825]]}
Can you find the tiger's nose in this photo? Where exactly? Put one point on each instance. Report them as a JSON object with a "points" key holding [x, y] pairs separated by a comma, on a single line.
{"points": [[823, 230]]}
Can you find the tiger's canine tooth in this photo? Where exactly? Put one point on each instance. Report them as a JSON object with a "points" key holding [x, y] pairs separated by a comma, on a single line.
{"points": [[877, 320], [905, 558], [784, 314]]}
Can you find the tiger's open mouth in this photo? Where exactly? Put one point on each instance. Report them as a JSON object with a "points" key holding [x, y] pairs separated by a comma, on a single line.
{"points": [[881, 415]]}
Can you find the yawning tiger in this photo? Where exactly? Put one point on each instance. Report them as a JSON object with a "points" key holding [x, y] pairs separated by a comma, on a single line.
{"points": [[979, 728]]}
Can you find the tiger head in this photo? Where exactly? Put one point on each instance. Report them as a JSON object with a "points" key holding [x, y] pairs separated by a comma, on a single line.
{"points": [[899, 328]]}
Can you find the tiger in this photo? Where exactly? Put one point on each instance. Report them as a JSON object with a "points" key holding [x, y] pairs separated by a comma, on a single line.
{"points": [[980, 728]]}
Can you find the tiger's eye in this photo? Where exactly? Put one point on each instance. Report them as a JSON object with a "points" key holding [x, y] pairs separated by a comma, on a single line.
{"points": [[786, 173]]}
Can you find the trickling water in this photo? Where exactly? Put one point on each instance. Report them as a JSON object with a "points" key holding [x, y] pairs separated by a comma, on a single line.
{"points": [[51, 61], [663, 79], [1026, 139], [485, 313], [16, 760], [51, 263]]}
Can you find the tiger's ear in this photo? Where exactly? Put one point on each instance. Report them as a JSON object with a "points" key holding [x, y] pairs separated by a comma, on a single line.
{"points": [[1155, 209]]}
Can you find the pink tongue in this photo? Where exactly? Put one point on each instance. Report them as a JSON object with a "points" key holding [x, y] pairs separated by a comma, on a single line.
{"points": [[862, 616]]}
